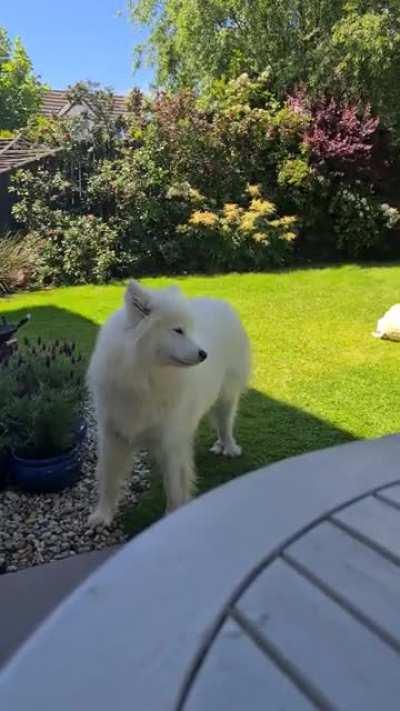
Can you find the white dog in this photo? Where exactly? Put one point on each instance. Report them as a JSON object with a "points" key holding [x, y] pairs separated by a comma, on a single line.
{"points": [[388, 327], [147, 394]]}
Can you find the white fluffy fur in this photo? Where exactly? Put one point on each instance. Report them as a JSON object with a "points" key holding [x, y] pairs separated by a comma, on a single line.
{"points": [[151, 388], [388, 326]]}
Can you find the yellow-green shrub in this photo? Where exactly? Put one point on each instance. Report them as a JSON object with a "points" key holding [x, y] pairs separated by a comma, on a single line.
{"points": [[247, 235]]}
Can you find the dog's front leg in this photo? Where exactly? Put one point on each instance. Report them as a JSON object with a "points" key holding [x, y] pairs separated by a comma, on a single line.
{"points": [[175, 462], [114, 458], [174, 493]]}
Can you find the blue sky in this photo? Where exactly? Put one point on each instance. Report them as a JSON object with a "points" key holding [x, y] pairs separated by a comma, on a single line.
{"points": [[72, 40]]}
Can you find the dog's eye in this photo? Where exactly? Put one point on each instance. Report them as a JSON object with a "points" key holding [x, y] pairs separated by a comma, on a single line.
{"points": [[179, 330]]}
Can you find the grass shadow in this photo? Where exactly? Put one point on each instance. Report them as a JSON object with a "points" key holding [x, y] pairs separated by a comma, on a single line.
{"points": [[267, 429], [53, 322]]}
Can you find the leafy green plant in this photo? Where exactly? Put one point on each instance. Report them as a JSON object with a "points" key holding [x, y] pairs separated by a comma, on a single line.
{"points": [[294, 173], [41, 398], [77, 250], [4, 444]]}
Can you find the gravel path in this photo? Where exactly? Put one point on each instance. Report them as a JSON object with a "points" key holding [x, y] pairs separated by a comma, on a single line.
{"points": [[41, 528]]}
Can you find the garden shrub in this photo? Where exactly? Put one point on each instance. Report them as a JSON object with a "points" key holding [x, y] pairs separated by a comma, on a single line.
{"points": [[250, 235], [361, 223], [18, 260], [77, 250], [122, 200], [341, 135], [294, 172], [42, 195]]}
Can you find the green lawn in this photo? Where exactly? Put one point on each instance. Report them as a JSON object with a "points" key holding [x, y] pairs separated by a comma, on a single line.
{"points": [[319, 377]]}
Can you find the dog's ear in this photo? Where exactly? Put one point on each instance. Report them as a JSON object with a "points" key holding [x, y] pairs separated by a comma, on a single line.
{"points": [[137, 299]]}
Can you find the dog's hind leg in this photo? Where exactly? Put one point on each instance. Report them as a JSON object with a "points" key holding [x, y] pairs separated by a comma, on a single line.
{"points": [[113, 466], [224, 412]]}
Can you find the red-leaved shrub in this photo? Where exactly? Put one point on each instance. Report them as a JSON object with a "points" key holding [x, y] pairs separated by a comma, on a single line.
{"points": [[341, 134]]}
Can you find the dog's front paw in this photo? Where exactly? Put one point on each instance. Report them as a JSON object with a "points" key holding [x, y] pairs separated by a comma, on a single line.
{"points": [[99, 518], [228, 450], [232, 450], [217, 447]]}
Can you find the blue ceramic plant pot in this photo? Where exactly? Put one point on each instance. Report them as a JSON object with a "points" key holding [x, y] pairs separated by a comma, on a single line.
{"points": [[52, 474]]}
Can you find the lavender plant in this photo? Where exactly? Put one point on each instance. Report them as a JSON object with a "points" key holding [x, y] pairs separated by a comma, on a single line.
{"points": [[41, 397]]}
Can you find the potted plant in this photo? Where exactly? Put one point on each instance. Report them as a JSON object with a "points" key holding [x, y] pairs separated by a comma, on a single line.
{"points": [[41, 395], [7, 343], [4, 460]]}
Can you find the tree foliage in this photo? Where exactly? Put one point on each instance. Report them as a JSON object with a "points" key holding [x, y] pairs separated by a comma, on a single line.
{"points": [[20, 89], [348, 47], [364, 56], [201, 40]]}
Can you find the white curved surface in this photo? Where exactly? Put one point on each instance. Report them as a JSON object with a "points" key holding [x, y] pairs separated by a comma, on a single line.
{"points": [[127, 636]]}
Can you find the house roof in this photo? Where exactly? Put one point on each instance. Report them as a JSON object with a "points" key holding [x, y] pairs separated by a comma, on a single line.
{"points": [[15, 152], [55, 103]]}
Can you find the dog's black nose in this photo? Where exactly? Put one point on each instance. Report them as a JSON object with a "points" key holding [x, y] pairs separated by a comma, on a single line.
{"points": [[202, 355]]}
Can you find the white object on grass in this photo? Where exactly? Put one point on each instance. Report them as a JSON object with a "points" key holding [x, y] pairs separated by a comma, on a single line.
{"points": [[388, 326]]}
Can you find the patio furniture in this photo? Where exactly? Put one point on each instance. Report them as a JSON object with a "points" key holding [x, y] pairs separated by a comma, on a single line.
{"points": [[7, 335], [280, 590], [28, 596]]}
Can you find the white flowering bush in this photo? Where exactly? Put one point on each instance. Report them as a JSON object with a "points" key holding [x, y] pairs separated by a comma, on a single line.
{"points": [[360, 222], [391, 215]]}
